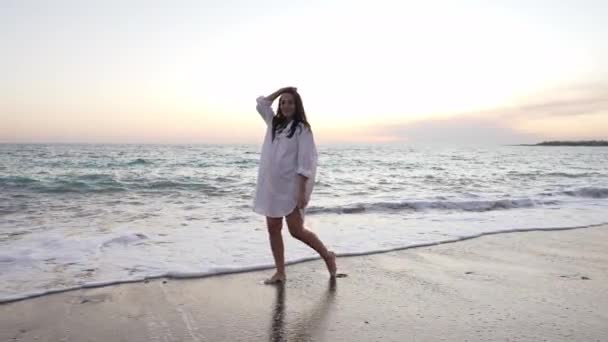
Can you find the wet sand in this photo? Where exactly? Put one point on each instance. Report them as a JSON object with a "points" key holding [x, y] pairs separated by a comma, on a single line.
{"points": [[530, 286]]}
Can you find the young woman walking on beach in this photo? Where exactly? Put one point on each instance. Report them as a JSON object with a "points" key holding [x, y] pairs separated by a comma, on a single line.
{"points": [[286, 176]]}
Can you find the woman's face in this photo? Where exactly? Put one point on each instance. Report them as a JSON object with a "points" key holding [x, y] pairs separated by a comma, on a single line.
{"points": [[288, 105]]}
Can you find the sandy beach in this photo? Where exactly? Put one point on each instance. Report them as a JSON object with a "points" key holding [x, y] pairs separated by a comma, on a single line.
{"points": [[531, 286]]}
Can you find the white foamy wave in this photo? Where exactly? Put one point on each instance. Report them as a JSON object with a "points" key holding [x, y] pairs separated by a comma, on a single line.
{"points": [[479, 206], [125, 239], [6, 258], [214, 271], [589, 192]]}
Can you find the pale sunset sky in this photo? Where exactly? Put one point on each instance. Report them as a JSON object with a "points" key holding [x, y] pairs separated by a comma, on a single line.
{"points": [[467, 71]]}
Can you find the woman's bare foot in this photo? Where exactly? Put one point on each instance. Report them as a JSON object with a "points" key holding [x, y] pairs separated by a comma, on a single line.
{"points": [[330, 261], [277, 278]]}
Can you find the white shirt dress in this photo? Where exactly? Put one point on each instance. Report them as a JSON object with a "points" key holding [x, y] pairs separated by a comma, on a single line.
{"points": [[280, 163]]}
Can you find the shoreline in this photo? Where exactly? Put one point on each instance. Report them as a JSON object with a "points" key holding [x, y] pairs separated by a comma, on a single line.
{"points": [[539, 285], [204, 275]]}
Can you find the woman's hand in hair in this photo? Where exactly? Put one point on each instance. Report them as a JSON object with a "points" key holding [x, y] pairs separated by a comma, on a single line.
{"points": [[278, 93]]}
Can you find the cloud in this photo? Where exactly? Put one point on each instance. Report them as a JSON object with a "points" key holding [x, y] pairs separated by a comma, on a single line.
{"points": [[566, 107], [459, 130], [526, 122], [570, 101]]}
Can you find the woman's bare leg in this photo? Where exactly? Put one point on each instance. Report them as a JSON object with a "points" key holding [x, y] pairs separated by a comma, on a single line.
{"points": [[298, 231], [278, 251]]}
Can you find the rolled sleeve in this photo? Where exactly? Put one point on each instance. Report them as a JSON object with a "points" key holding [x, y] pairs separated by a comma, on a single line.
{"points": [[264, 107]]}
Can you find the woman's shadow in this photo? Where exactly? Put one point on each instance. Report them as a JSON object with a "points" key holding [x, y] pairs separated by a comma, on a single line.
{"points": [[305, 327]]}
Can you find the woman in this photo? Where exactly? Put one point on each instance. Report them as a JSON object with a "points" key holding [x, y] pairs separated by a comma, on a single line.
{"points": [[286, 176]]}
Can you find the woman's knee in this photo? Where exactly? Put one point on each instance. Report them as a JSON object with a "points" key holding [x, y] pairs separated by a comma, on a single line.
{"points": [[297, 231], [295, 224]]}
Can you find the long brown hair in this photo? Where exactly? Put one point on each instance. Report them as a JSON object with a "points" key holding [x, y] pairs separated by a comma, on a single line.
{"points": [[280, 121]]}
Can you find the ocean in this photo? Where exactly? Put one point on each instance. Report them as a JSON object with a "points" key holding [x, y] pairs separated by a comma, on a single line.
{"points": [[75, 216]]}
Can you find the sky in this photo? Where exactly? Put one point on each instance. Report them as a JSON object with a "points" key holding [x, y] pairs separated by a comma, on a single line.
{"points": [[467, 71]]}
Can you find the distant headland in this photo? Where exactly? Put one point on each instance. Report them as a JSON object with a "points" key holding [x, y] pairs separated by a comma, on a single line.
{"points": [[570, 143]]}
